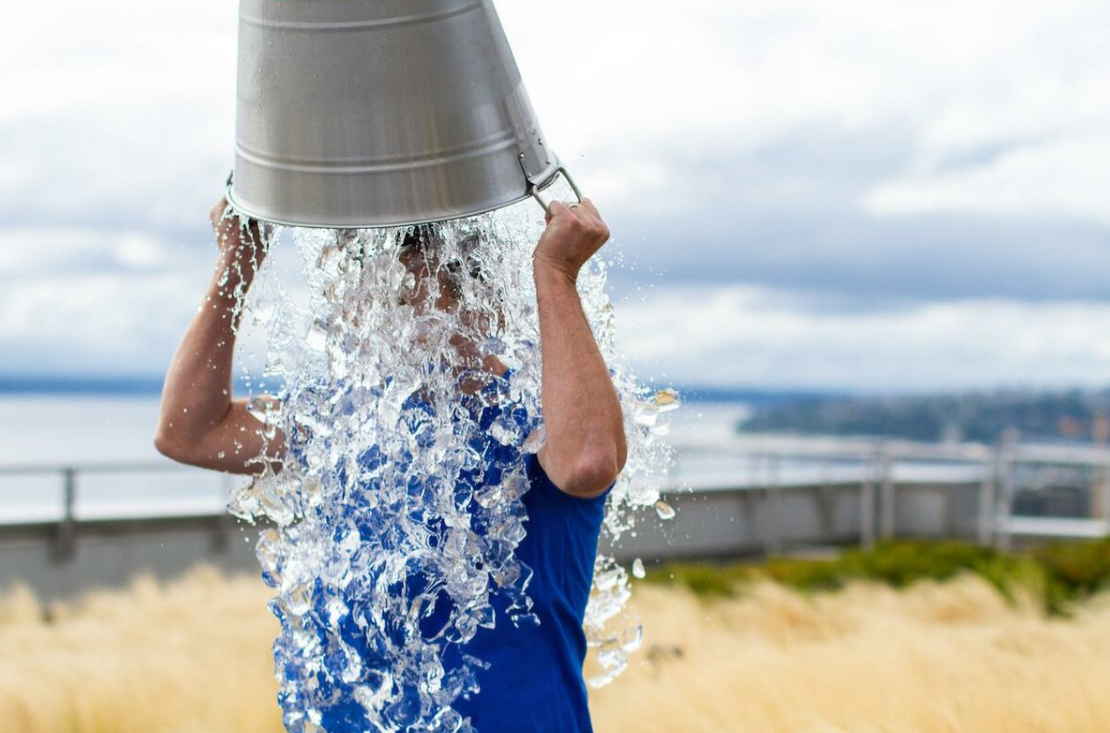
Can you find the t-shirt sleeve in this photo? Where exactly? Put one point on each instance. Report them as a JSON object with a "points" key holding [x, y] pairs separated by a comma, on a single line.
{"points": [[540, 481]]}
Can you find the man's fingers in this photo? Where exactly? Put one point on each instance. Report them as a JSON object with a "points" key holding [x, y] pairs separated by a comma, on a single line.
{"points": [[556, 209], [589, 206], [589, 215], [255, 230], [584, 212]]}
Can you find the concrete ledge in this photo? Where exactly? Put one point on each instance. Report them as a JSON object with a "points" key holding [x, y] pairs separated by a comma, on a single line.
{"points": [[1064, 528], [60, 559]]}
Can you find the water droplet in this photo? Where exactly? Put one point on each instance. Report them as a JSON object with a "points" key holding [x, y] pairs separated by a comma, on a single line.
{"points": [[505, 430], [667, 400], [664, 510], [535, 440], [632, 638], [645, 414], [316, 339]]}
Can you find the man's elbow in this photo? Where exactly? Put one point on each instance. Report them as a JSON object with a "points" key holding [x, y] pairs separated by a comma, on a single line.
{"points": [[594, 473], [171, 446]]}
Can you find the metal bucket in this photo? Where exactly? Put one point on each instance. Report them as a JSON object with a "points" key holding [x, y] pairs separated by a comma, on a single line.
{"points": [[366, 113]]}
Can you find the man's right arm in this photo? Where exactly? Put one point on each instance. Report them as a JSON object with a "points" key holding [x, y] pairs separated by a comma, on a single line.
{"points": [[200, 424]]}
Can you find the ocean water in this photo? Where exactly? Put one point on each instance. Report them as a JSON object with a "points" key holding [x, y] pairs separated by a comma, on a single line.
{"points": [[91, 432], [77, 429]]}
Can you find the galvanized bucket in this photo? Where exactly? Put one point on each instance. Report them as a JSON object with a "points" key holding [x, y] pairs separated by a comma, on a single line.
{"points": [[367, 113]]}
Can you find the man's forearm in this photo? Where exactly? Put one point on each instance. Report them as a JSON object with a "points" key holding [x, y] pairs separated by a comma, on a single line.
{"points": [[585, 447], [197, 391], [200, 423]]}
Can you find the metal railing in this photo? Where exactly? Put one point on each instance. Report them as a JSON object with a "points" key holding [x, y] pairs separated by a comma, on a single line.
{"points": [[69, 473], [878, 461]]}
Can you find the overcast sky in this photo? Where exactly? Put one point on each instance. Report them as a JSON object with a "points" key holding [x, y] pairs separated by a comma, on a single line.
{"points": [[850, 194]]}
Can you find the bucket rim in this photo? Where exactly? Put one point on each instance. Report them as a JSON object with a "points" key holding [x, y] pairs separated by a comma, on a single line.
{"points": [[531, 192], [235, 203]]}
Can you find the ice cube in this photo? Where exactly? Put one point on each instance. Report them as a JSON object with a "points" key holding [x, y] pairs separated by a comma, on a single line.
{"points": [[664, 510]]}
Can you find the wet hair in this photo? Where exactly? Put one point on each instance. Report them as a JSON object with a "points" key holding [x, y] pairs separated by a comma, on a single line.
{"points": [[423, 235], [419, 236]]}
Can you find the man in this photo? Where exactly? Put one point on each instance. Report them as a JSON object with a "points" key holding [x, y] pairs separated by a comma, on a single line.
{"points": [[534, 683]]}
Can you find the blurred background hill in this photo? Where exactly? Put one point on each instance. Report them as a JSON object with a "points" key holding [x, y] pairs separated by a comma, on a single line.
{"points": [[980, 416]]}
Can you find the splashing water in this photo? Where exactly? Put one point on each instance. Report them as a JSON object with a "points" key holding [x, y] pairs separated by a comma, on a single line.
{"points": [[398, 510]]}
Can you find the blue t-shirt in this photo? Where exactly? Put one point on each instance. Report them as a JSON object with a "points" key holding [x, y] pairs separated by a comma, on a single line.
{"points": [[533, 682]]}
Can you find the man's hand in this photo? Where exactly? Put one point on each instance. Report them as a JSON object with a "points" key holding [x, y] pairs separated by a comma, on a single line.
{"points": [[243, 248], [574, 234]]}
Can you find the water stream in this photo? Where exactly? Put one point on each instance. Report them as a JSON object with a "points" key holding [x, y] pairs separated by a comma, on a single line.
{"points": [[398, 510]]}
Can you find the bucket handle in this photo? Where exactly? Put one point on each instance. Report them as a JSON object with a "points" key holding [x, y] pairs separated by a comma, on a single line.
{"points": [[535, 189]]}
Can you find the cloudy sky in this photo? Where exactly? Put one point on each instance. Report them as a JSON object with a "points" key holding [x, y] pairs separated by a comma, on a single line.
{"points": [[850, 194]]}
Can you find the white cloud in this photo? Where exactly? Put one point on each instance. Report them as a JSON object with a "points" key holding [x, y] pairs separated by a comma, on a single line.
{"points": [[735, 335], [118, 122], [119, 110], [140, 251], [752, 336], [1067, 177], [957, 74], [106, 323], [72, 54], [33, 251], [117, 100]]}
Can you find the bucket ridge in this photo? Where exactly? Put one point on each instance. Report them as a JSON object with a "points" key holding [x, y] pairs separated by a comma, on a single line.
{"points": [[357, 25]]}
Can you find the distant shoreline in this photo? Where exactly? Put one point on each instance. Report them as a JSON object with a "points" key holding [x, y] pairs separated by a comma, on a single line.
{"points": [[30, 386], [151, 386]]}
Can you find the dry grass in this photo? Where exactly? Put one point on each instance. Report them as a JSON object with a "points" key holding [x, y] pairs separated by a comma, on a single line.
{"points": [[195, 656], [189, 657], [950, 657]]}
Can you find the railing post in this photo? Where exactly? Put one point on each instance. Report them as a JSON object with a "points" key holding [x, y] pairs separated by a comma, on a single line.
{"points": [[1100, 494], [1007, 464], [222, 527], [65, 543], [886, 497], [988, 507], [826, 511], [775, 510], [867, 506]]}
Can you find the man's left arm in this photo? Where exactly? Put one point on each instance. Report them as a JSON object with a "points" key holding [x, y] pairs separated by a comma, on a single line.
{"points": [[585, 448]]}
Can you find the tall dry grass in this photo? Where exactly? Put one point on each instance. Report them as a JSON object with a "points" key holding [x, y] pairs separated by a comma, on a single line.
{"points": [[194, 656], [188, 657], [951, 657]]}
